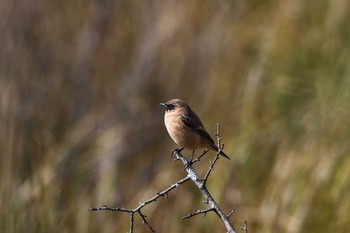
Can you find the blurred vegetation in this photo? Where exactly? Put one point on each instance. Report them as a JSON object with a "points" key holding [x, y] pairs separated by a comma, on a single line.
{"points": [[80, 84]]}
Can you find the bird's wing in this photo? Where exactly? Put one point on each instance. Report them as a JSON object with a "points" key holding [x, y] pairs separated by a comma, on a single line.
{"points": [[192, 121]]}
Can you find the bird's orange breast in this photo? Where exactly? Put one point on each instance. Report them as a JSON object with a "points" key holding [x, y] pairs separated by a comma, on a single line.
{"points": [[180, 133]]}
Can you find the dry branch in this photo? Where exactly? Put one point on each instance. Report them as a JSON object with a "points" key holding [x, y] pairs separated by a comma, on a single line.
{"points": [[200, 183]]}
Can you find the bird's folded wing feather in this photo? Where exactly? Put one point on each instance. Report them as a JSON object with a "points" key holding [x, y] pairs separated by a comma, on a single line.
{"points": [[193, 122]]}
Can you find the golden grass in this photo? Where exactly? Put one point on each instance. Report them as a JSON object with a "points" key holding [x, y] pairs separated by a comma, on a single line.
{"points": [[80, 123]]}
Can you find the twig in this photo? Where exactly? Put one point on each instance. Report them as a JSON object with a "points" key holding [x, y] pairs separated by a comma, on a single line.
{"points": [[198, 212], [220, 148], [199, 157], [138, 209], [232, 212], [211, 168], [245, 228]]}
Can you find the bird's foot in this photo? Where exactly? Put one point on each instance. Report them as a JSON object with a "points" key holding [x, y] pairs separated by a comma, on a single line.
{"points": [[189, 164]]}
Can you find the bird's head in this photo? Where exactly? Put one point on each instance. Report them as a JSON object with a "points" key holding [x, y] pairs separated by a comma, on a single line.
{"points": [[174, 104]]}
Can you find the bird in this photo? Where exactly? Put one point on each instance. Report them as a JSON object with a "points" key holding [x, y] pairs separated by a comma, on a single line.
{"points": [[185, 127]]}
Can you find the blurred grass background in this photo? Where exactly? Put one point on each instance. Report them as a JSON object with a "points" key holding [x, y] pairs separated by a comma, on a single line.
{"points": [[80, 86]]}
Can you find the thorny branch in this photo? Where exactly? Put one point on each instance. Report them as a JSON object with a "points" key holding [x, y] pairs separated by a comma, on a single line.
{"points": [[138, 209], [200, 183]]}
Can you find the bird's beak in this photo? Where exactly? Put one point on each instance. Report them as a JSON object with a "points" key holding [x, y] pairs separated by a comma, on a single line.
{"points": [[164, 105]]}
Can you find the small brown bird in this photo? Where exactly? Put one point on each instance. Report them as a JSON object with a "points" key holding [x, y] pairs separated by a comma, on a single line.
{"points": [[185, 127]]}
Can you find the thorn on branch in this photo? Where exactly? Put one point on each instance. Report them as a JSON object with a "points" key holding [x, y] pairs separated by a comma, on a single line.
{"points": [[232, 212]]}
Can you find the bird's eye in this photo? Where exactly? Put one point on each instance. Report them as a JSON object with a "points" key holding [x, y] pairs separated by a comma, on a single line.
{"points": [[171, 106]]}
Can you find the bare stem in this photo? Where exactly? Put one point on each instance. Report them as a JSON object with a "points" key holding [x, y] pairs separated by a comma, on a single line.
{"points": [[143, 204], [220, 148], [199, 157], [245, 228], [198, 212]]}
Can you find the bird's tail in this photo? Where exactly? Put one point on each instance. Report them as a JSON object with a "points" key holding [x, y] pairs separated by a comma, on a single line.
{"points": [[225, 155]]}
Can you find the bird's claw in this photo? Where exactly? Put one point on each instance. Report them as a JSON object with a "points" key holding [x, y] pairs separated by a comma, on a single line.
{"points": [[189, 164]]}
